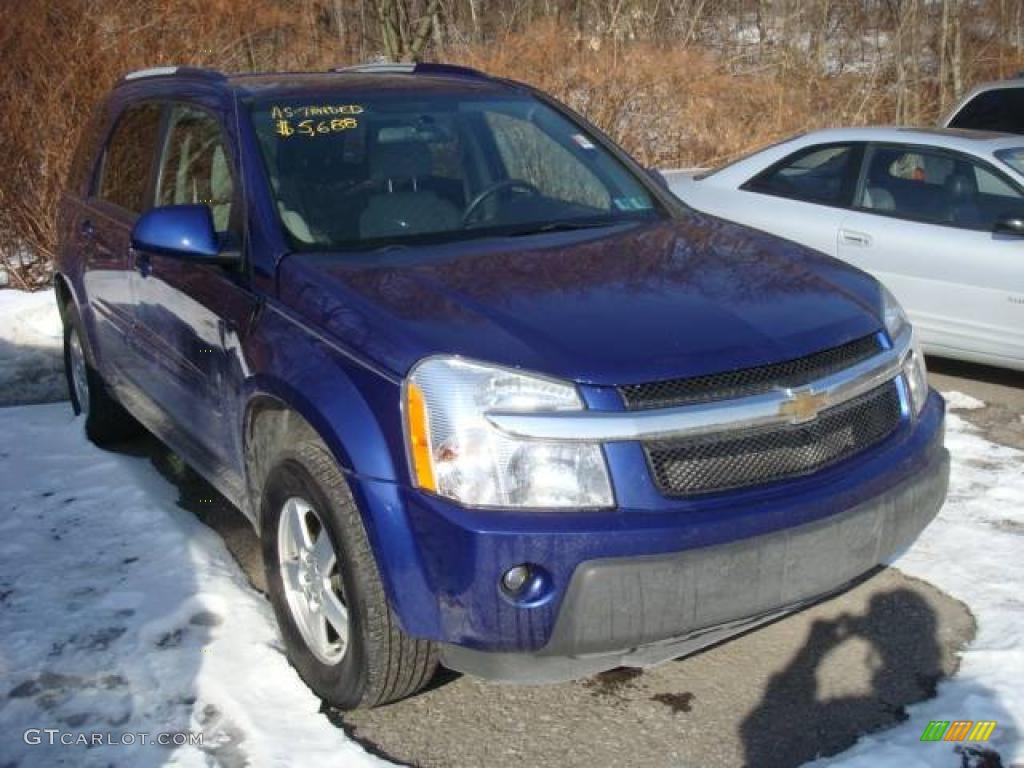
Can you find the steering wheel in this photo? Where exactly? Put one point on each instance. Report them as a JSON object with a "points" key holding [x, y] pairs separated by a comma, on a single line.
{"points": [[498, 186]]}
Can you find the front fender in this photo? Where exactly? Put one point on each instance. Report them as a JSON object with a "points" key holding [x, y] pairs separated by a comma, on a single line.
{"points": [[355, 412]]}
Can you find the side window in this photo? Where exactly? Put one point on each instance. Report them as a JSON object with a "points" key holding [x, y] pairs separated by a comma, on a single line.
{"points": [[819, 174], [129, 157], [194, 168], [991, 184], [937, 187], [530, 155]]}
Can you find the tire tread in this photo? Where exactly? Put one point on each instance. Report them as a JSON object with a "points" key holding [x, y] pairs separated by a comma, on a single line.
{"points": [[403, 664]]}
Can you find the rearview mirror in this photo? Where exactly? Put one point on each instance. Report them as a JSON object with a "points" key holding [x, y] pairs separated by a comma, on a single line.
{"points": [[1011, 224], [181, 231]]}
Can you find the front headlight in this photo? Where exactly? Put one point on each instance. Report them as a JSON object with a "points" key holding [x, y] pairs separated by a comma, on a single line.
{"points": [[914, 370], [455, 452], [916, 373]]}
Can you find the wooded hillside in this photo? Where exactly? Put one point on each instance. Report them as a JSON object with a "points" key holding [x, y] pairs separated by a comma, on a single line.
{"points": [[678, 82]]}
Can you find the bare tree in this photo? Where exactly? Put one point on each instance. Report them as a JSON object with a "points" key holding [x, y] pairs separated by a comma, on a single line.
{"points": [[403, 35]]}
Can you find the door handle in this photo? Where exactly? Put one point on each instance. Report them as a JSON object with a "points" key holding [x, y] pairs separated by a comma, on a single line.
{"points": [[859, 239]]}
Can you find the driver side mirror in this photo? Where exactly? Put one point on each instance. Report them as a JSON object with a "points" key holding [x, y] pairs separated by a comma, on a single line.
{"points": [[183, 232], [1010, 224]]}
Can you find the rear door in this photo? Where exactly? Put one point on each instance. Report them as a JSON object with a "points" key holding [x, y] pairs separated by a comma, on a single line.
{"points": [[189, 314], [924, 225], [122, 193]]}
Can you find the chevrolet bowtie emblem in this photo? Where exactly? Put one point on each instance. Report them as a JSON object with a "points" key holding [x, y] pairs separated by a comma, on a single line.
{"points": [[804, 406]]}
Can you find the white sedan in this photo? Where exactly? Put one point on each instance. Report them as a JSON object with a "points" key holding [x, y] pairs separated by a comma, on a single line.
{"points": [[936, 215]]}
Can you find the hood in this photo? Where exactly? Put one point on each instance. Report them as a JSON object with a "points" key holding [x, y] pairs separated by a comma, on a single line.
{"points": [[620, 305]]}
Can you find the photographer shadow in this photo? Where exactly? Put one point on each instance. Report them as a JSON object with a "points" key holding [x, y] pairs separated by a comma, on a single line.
{"points": [[803, 708]]}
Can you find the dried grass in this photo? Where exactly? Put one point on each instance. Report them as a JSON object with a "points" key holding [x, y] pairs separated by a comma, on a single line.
{"points": [[670, 106]]}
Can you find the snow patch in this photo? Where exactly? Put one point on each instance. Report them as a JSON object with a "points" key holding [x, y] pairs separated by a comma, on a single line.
{"points": [[120, 612], [958, 401], [31, 348]]}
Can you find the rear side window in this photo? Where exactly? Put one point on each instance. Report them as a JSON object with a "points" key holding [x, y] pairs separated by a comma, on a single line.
{"points": [[84, 161], [1001, 109], [823, 174], [129, 157]]}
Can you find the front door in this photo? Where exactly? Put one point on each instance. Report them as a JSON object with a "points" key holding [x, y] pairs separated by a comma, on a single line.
{"points": [[189, 315]]}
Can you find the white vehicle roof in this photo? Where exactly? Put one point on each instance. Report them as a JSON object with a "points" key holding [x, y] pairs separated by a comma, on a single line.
{"points": [[978, 143], [950, 138]]}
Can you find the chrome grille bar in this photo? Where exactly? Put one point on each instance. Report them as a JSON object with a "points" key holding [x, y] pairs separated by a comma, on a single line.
{"points": [[778, 407]]}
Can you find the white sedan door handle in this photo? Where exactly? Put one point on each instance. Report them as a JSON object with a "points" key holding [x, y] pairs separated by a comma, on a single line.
{"points": [[859, 239]]}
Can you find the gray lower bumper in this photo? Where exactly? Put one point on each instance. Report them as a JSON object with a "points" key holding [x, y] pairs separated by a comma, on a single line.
{"points": [[642, 611]]}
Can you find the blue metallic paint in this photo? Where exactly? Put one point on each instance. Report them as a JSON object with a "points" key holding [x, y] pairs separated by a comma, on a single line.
{"points": [[177, 230], [635, 303], [331, 336]]}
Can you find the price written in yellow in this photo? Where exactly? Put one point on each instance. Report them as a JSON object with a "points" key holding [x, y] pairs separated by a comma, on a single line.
{"points": [[314, 110], [312, 128]]}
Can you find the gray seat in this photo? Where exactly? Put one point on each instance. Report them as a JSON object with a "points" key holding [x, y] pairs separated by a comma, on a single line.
{"points": [[962, 198], [879, 199], [402, 207]]}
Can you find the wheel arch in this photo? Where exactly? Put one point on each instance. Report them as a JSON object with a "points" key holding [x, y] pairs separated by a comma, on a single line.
{"points": [[63, 291], [276, 414], [65, 296], [273, 419]]}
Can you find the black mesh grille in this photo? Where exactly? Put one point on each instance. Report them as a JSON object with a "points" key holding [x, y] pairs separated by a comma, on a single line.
{"points": [[715, 463], [749, 381]]}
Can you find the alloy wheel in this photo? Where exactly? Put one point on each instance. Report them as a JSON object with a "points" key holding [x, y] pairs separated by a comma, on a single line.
{"points": [[312, 582]]}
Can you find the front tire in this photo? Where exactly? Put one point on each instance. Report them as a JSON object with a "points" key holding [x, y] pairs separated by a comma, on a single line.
{"points": [[106, 420], [339, 631]]}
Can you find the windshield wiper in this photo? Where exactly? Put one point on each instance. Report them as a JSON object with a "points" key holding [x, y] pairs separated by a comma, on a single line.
{"points": [[566, 225]]}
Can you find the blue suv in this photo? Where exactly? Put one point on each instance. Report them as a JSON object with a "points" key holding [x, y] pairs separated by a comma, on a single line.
{"points": [[490, 395]]}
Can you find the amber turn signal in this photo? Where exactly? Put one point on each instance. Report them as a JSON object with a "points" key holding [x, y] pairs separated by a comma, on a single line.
{"points": [[419, 442]]}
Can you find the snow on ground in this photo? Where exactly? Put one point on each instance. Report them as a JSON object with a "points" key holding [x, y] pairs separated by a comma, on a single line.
{"points": [[31, 343], [958, 401], [121, 612]]}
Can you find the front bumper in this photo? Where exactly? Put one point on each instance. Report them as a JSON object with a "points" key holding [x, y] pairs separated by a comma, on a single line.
{"points": [[442, 563], [640, 611]]}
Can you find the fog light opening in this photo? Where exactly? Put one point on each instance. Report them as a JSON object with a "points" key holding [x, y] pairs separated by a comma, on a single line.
{"points": [[515, 579], [525, 585]]}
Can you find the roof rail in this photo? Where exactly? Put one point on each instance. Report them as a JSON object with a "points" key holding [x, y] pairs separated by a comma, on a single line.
{"points": [[421, 68], [195, 72], [377, 67]]}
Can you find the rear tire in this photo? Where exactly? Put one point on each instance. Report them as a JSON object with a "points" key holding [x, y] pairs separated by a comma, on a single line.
{"points": [[106, 420], [369, 661]]}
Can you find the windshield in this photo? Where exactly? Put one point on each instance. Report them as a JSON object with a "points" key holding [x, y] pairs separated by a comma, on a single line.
{"points": [[997, 109], [361, 172], [1013, 158]]}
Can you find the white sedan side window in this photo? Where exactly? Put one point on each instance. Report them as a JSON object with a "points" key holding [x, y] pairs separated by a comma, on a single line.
{"points": [[937, 187]]}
